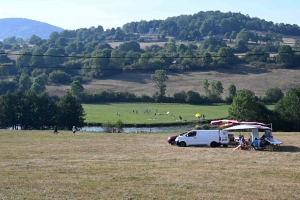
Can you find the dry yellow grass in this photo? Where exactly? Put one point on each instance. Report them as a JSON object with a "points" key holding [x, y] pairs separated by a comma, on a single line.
{"points": [[41, 165]]}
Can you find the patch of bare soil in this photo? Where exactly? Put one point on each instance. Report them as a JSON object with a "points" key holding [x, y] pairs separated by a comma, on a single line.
{"points": [[243, 77]]}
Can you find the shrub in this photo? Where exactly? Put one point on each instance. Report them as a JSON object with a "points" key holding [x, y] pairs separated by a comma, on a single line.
{"points": [[107, 126], [59, 76], [120, 126]]}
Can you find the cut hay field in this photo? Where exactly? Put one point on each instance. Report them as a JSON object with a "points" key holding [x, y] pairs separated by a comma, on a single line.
{"points": [[242, 76], [41, 165], [257, 79]]}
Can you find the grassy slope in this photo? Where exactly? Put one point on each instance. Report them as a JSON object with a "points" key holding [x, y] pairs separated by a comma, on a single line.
{"points": [[243, 77], [40, 165]]}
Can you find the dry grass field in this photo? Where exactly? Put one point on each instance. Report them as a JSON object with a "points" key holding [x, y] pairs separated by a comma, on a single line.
{"points": [[243, 77], [41, 165]]}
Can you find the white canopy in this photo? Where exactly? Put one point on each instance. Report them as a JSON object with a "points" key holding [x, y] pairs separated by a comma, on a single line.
{"points": [[239, 127]]}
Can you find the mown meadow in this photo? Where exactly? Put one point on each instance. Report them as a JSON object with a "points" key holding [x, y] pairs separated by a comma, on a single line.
{"points": [[41, 165], [135, 113], [143, 113]]}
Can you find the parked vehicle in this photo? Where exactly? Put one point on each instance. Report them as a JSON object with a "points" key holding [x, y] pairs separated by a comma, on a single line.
{"points": [[171, 139], [212, 138]]}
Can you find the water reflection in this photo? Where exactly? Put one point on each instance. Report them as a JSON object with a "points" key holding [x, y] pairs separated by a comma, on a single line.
{"points": [[142, 129]]}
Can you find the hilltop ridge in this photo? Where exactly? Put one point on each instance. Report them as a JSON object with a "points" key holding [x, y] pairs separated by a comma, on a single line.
{"points": [[25, 28]]}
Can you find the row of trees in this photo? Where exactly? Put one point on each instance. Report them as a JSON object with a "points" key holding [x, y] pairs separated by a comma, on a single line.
{"points": [[285, 116], [213, 93], [32, 111], [105, 61], [183, 27], [191, 27]]}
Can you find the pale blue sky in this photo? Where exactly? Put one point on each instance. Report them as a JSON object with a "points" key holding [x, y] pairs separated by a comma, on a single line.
{"points": [[74, 14]]}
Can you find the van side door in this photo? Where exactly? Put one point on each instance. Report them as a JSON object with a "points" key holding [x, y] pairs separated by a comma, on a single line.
{"points": [[191, 138]]}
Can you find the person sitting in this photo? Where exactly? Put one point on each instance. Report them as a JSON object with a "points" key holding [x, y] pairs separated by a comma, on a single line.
{"points": [[242, 141], [262, 143], [250, 141]]}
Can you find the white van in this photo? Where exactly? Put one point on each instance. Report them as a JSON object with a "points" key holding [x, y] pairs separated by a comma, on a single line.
{"points": [[212, 138]]}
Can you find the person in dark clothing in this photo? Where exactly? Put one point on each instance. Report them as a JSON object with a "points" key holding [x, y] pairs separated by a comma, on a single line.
{"points": [[55, 129]]}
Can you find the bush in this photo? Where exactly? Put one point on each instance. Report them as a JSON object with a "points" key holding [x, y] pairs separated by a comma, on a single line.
{"points": [[120, 126], [59, 76], [107, 126]]}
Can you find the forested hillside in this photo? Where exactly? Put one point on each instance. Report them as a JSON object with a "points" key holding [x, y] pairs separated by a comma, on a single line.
{"points": [[86, 54], [191, 27], [207, 42], [25, 28]]}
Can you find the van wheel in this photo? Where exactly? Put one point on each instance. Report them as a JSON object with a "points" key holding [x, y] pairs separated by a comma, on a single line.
{"points": [[173, 142], [182, 144], [225, 145], [213, 144]]}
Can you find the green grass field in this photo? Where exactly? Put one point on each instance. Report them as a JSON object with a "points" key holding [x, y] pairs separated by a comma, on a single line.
{"points": [[99, 113], [41, 165]]}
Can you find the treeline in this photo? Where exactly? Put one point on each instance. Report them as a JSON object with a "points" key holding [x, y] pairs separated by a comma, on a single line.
{"points": [[193, 27], [285, 116], [213, 94], [99, 60], [38, 111], [86, 53]]}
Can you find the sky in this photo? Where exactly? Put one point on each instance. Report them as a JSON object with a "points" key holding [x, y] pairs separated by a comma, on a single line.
{"points": [[75, 14]]}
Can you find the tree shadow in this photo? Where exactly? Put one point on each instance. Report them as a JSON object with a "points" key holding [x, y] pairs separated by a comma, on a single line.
{"points": [[289, 149], [242, 70], [236, 69], [134, 77]]}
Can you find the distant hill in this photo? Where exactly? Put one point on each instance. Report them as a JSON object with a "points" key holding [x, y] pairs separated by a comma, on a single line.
{"points": [[25, 28]]}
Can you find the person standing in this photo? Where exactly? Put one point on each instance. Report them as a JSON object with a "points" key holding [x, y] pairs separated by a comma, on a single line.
{"points": [[55, 130], [74, 130]]}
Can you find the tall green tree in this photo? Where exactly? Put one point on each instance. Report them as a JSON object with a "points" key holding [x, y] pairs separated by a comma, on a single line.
{"points": [[206, 59], [37, 60], [8, 116], [77, 90], [289, 109], [242, 35], [99, 64], [245, 108], [225, 56], [285, 55], [71, 113], [24, 82], [159, 78], [273, 95], [217, 89], [3, 57], [23, 60], [39, 84], [206, 85], [3, 72]]}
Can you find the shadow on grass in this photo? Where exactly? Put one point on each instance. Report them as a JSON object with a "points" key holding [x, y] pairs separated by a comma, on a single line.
{"points": [[289, 149]]}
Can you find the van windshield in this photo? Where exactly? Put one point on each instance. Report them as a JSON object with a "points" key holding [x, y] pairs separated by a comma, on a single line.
{"points": [[191, 134]]}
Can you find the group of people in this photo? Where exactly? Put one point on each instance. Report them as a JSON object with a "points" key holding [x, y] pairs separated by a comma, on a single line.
{"points": [[247, 144], [55, 130]]}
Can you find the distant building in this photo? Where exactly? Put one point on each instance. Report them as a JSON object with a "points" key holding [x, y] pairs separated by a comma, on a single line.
{"points": [[153, 31], [217, 37]]}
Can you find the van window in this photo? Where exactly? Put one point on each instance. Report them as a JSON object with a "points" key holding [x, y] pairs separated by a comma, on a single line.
{"points": [[192, 134]]}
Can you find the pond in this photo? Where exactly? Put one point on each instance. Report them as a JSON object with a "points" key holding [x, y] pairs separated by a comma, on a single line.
{"points": [[142, 129]]}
